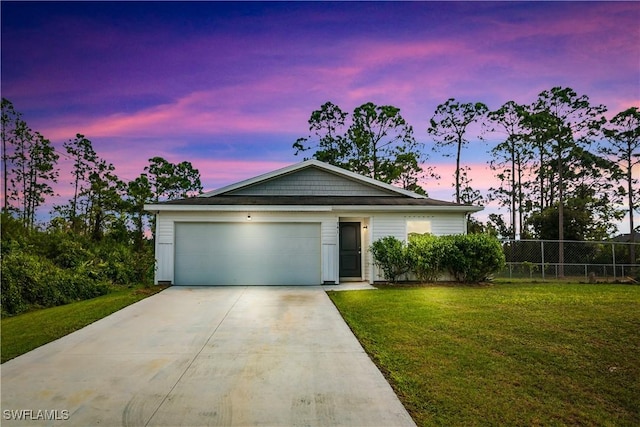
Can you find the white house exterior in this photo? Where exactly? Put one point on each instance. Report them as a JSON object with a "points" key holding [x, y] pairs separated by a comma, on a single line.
{"points": [[306, 224]]}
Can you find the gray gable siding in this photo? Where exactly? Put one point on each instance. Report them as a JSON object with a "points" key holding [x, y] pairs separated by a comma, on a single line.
{"points": [[310, 182]]}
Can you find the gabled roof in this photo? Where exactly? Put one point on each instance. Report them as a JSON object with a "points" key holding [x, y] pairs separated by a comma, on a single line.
{"points": [[370, 182], [311, 186]]}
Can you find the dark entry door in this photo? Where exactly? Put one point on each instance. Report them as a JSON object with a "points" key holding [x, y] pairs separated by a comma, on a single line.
{"points": [[350, 258]]}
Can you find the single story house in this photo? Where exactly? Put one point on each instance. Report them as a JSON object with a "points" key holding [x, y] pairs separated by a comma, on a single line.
{"points": [[306, 224]]}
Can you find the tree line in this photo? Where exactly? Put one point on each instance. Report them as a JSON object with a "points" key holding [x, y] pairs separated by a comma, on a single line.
{"points": [[565, 171], [97, 240], [101, 202]]}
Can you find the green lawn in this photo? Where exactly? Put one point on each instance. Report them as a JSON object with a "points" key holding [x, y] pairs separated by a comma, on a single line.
{"points": [[507, 354], [25, 332]]}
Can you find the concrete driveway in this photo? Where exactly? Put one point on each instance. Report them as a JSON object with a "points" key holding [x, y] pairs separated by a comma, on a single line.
{"points": [[244, 356]]}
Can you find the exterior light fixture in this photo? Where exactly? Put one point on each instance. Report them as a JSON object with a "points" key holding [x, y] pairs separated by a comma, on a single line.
{"points": [[366, 227], [249, 217]]}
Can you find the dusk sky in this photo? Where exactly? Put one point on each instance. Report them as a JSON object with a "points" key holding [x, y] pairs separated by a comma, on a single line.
{"points": [[230, 86]]}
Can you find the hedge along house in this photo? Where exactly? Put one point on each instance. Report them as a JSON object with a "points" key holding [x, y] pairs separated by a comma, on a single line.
{"points": [[306, 224]]}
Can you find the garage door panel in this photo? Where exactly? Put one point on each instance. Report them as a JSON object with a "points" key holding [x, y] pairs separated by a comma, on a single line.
{"points": [[247, 254]]}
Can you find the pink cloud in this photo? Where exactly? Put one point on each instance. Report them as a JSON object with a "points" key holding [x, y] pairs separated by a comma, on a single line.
{"points": [[191, 114], [374, 53]]}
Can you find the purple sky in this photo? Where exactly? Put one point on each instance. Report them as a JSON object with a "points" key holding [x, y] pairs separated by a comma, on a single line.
{"points": [[230, 86]]}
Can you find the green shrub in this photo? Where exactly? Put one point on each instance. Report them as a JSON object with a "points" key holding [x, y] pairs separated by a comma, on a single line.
{"points": [[425, 256], [58, 266], [468, 258], [12, 301], [472, 258], [30, 280], [122, 264], [68, 253], [26, 278], [390, 254]]}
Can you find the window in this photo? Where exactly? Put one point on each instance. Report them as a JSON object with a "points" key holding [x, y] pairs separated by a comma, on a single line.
{"points": [[418, 227]]}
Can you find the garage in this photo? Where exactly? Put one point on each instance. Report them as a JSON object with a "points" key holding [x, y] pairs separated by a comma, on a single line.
{"points": [[247, 253]]}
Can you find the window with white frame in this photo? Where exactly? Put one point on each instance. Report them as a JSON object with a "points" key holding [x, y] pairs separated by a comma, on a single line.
{"points": [[418, 226]]}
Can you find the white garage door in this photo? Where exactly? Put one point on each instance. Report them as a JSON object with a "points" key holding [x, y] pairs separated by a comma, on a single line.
{"points": [[247, 254]]}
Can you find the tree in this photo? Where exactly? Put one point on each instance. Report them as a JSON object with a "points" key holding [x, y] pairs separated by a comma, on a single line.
{"points": [[138, 193], [29, 163], [186, 182], [623, 134], [496, 226], [449, 125], [9, 121], [383, 146], [166, 181], [42, 173], [103, 198], [581, 222], [96, 204], [378, 143], [567, 124], [509, 160], [84, 158], [172, 181], [468, 195], [328, 126]]}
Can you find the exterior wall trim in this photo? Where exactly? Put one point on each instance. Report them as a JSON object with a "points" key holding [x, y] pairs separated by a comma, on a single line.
{"points": [[156, 208]]}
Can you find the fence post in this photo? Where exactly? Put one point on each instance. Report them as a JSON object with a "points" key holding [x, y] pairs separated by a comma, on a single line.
{"points": [[542, 253]]}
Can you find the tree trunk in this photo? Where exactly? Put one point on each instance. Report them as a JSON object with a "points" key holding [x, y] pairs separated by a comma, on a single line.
{"points": [[4, 173], [560, 217], [375, 161], [632, 247], [513, 191], [458, 171], [541, 173], [520, 197]]}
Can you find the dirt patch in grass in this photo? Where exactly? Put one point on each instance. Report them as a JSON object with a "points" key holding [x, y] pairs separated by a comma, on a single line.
{"points": [[150, 290]]}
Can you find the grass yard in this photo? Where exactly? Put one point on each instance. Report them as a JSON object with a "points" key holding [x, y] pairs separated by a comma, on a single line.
{"points": [[505, 354], [27, 331]]}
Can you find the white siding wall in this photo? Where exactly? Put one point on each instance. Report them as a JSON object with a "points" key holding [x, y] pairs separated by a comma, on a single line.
{"points": [[384, 225], [379, 225], [164, 250], [389, 224], [449, 223], [367, 265]]}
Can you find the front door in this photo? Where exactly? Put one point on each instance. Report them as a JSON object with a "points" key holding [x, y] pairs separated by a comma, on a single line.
{"points": [[350, 250]]}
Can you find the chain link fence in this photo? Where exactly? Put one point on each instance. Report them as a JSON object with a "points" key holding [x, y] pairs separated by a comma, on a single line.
{"points": [[540, 259]]}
